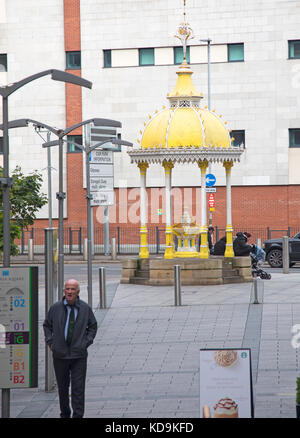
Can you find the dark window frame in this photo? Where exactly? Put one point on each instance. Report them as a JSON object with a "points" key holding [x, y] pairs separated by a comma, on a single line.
{"points": [[140, 56], [71, 138], [3, 62], [70, 65], [292, 143], [236, 132], [175, 48], [107, 58], [229, 45], [290, 42]]}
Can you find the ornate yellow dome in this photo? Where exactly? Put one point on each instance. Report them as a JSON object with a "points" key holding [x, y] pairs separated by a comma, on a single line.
{"points": [[185, 124]]}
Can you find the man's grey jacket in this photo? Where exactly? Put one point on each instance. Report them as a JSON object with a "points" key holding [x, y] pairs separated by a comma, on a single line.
{"points": [[85, 330]]}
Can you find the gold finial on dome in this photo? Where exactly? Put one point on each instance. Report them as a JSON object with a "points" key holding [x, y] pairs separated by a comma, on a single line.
{"points": [[184, 32], [184, 88]]}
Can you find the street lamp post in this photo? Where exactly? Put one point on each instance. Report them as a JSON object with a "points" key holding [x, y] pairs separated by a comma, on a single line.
{"points": [[6, 181], [61, 194], [208, 41]]}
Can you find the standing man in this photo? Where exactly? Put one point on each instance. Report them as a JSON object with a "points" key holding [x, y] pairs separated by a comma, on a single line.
{"points": [[209, 239], [70, 327]]}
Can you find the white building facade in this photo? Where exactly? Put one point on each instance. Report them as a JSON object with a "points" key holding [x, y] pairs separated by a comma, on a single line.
{"points": [[129, 52]]}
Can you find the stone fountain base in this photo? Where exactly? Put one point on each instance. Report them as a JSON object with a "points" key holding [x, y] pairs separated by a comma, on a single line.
{"points": [[160, 271]]}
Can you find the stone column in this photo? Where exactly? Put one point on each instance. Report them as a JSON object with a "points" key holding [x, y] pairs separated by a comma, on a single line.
{"points": [[204, 251], [169, 251], [144, 251], [229, 246]]}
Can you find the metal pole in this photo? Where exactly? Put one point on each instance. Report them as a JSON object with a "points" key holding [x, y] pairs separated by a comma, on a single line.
{"points": [[89, 214], [49, 301], [208, 104], [102, 288], [85, 249], [6, 188], [106, 231], [49, 181], [255, 290], [177, 285], [5, 406], [285, 254], [113, 249], [60, 196], [5, 403], [30, 250]]}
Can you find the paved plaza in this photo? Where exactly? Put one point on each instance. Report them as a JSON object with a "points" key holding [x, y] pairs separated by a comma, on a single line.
{"points": [[144, 362]]}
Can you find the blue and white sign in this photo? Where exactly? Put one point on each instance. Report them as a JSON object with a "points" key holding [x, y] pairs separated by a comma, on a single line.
{"points": [[210, 180]]}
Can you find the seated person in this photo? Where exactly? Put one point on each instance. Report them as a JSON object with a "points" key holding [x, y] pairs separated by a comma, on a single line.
{"points": [[220, 246], [240, 246]]}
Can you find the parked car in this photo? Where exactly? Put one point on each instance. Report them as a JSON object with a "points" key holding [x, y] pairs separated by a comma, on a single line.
{"points": [[273, 249]]}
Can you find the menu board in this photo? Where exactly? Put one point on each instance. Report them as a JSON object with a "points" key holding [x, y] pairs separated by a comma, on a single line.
{"points": [[19, 327], [226, 383]]}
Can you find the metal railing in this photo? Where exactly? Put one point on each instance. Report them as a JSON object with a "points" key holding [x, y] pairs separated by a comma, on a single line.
{"points": [[127, 238]]}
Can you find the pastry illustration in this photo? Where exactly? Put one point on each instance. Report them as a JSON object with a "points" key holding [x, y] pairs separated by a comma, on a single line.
{"points": [[226, 358], [226, 408]]}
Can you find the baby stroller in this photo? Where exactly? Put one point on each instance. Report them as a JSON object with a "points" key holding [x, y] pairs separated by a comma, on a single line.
{"points": [[258, 257]]}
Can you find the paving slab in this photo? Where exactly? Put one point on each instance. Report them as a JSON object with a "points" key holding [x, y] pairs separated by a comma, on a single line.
{"points": [[144, 362]]}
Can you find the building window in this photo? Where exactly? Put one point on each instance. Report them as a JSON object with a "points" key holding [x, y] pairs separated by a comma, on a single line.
{"points": [[107, 58], [239, 138], [146, 56], [72, 139], [294, 49], [178, 55], [3, 62], [73, 60], [294, 138], [235, 52]]}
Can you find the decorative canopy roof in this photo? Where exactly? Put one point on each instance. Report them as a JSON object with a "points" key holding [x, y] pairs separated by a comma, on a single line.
{"points": [[185, 131]]}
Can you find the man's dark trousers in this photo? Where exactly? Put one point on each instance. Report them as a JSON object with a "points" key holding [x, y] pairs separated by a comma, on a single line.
{"points": [[74, 371]]}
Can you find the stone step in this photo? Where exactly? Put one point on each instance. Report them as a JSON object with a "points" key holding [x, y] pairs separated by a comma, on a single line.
{"points": [[228, 280], [142, 273], [139, 280], [230, 273]]}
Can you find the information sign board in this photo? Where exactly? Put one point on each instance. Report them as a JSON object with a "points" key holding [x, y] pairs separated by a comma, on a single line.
{"points": [[226, 383], [19, 320], [101, 170], [103, 198], [101, 157], [99, 184]]}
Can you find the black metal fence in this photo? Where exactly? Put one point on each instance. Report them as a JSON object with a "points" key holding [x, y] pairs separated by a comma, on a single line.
{"points": [[128, 238]]}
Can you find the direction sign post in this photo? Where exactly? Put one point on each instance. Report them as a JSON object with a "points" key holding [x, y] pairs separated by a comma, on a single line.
{"points": [[210, 181], [97, 175], [19, 317]]}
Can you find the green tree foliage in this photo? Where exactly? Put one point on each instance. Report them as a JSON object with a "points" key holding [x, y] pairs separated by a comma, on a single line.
{"points": [[25, 202]]}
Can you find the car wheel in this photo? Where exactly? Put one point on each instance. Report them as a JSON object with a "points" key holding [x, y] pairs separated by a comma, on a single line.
{"points": [[274, 258]]}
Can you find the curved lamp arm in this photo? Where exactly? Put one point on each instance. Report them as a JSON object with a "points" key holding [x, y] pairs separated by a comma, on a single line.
{"points": [[57, 75]]}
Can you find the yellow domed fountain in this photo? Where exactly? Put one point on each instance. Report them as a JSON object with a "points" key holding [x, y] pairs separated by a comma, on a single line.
{"points": [[185, 133]]}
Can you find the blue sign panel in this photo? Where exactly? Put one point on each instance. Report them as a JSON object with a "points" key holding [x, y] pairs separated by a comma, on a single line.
{"points": [[210, 180]]}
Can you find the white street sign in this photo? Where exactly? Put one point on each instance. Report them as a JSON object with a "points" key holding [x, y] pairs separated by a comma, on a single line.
{"points": [[101, 157], [98, 184], [103, 198], [100, 170]]}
